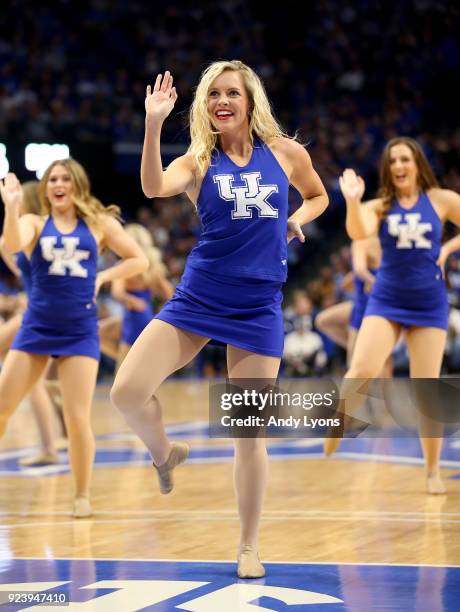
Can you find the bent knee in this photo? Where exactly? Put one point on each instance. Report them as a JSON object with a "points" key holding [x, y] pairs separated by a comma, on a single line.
{"points": [[124, 396]]}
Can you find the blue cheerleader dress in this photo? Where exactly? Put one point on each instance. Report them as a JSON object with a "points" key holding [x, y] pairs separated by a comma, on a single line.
{"points": [[409, 287], [231, 287], [61, 315]]}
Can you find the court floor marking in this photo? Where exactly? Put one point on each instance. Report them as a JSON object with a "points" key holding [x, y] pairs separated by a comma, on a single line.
{"points": [[376, 564]]}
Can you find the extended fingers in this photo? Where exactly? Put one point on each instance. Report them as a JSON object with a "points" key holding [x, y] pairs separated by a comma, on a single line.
{"points": [[156, 87], [167, 82], [163, 83]]}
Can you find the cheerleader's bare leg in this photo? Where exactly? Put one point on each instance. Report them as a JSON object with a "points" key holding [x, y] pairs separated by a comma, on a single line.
{"points": [[77, 375], [20, 371], [160, 350], [426, 349], [251, 463]]}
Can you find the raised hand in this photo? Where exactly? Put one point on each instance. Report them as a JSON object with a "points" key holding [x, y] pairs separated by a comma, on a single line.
{"points": [[160, 102], [352, 185], [11, 192]]}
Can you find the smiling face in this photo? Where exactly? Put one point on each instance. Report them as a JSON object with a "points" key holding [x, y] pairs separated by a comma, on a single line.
{"points": [[403, 168], [228, 102], [59, 188]]}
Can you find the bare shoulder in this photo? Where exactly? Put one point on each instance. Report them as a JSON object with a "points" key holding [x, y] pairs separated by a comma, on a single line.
{"points": [[106, 229], [444, 197], [291, 156], [288, 147], [108, 223], [36, 221], [186, 162]]}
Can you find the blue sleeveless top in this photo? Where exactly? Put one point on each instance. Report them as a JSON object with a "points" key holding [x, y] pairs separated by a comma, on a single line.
{"points": [[64, 267], [26, 273], [411, 241], [243, 211]]}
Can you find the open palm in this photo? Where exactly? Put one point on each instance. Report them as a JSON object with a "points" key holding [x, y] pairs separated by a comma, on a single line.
{"points": [[11, 191], [160, 102], [352, 185]]}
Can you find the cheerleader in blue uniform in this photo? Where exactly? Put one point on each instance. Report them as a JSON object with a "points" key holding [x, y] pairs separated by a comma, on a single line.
{"points": [[136, 294], [409, 291], [237, 173], [40, 400], [60, 319]]}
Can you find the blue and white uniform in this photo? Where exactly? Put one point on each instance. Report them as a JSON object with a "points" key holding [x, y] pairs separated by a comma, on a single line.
{"points": [[231, 287], [409, 288], [360, 298], [134, 321], [61, 315]]}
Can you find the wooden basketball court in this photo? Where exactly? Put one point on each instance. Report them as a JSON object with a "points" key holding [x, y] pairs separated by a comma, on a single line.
{"points": [[352, 509]]}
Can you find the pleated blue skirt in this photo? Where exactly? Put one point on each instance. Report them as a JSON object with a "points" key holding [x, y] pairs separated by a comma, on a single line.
{"points": [[242, 312]]}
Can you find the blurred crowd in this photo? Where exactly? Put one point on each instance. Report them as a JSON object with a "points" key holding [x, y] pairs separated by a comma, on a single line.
{"points": [[346, 76]]}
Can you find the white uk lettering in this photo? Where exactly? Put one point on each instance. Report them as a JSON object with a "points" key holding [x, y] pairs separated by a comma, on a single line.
{"points": [[241, 597], [131, 595], [252, 195], [66, 258], [411, 233]]}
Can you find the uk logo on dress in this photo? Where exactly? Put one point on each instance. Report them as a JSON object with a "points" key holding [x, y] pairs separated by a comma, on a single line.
{"points": [[411, 233], [66, 258], [251, 196]]}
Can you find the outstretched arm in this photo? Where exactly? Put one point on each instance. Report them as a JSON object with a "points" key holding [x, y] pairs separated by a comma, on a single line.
{"points": [[362, 219], [159, 102], [18, 233]]}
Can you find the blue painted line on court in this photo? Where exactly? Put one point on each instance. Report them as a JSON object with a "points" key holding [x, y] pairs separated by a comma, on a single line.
{"points": [[392, 450], [167, 586]]}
